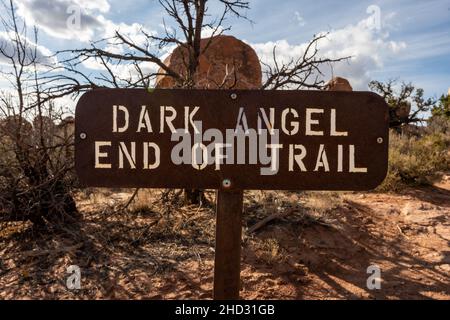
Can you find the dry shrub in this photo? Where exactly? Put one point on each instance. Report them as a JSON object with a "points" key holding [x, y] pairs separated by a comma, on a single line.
{"points": [[270, 251], [171, 220], [417, 161], [322, 202], [36, 161], [36, 141]]}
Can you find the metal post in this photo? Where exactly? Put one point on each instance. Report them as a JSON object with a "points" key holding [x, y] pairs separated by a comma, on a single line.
{"points": [[227, 265]]}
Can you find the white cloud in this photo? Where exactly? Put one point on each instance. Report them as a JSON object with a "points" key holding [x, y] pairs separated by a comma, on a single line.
{"points": [[208, 32], [43, 55], [134, 33], [81, 20], [100, 5], [131, 31], [368, 48], [66, 19], [122, 71]]}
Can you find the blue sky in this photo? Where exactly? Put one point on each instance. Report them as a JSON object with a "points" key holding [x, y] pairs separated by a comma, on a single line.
{"points": [[408, 40]]}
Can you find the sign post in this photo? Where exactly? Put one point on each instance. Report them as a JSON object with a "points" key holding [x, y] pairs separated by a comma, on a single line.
{"points": [[227, 263], [231, 141]]}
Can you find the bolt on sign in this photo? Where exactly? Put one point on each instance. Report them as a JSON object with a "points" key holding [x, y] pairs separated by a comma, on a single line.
{"points": [[240, 139]]}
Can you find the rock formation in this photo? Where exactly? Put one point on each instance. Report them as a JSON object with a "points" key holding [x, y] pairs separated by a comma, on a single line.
{"points": [[12, 125], [338, 84], [65, 135], [227, 63]]}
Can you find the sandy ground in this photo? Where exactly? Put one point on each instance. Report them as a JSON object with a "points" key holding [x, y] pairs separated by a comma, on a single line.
{"points": [[320, 252]]}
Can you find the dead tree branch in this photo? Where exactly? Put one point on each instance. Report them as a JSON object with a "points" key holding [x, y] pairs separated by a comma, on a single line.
{"points": [[302, 72]]}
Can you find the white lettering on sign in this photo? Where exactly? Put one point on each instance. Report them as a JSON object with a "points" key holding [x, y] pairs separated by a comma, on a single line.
{"points": [[293, 125], [196, 148], [189, 119], [131, 156], [322, 160], [275, 162], [242, 125], [352, 162], [167, 118], [340, 158], [298, 158], [269, 124], [126, 117], [239, 145], [98, 155], [310, 122], [333, 132], [144, 120], [157, 152]]}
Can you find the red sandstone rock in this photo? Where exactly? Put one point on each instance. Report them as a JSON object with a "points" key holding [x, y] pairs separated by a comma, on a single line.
{"points": [[338, 84], [227, 63]]}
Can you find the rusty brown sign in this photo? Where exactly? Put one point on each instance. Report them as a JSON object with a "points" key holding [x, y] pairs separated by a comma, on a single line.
{"points": [[249, 139]]}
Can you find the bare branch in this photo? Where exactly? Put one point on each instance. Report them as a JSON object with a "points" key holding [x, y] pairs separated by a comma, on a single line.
{"points": [[303, 72], [406, 105]]}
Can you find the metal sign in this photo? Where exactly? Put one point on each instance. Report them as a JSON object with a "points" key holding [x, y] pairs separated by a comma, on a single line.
{"points": [[222, 139]]}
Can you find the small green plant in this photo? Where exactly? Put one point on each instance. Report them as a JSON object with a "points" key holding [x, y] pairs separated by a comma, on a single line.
{"points": [[442, 109]]}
